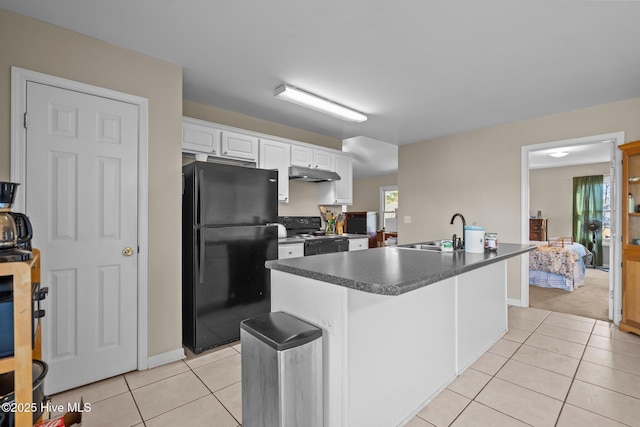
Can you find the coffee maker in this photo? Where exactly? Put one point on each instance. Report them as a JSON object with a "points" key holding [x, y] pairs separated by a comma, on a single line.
{"points": [[15, 228]]}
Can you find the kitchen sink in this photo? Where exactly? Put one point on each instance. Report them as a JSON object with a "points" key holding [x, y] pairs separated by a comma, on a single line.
{"points": [[431, 245], [424, 247]]}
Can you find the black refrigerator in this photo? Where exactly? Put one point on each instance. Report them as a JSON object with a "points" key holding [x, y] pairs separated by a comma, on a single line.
{"points": [[225, 243]]}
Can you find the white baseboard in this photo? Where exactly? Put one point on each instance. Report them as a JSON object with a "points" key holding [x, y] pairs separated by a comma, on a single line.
{"points": [[164, 358], [515, 302]]}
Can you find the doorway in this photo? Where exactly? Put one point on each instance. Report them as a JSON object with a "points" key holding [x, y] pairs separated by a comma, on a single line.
{"points": [[85, 170], [602, 285]]}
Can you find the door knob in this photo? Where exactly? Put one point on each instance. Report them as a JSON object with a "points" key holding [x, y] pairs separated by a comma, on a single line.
{"points": [[127, 251]]}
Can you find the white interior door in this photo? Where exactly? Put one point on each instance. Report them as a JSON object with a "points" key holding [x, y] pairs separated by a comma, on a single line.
{"points": [[81, 181]]}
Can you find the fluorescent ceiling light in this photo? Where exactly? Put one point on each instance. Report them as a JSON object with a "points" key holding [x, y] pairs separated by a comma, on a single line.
{"points": [[559, 154], [300, 97]]}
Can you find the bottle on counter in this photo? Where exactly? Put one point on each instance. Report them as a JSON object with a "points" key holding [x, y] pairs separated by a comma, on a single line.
{"points": [[491, 241]]}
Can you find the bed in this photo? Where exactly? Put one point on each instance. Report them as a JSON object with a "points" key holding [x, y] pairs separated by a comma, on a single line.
{"points": [[559, 263]]}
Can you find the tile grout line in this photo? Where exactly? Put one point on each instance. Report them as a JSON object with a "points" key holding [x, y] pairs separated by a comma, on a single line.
{"points": [[493, 377], [573, 379], [595, 385], [212, 392], [135, 402]]}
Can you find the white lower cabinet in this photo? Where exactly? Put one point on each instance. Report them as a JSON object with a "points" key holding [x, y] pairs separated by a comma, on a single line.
{"points": [[290, 250], [358, 244]]}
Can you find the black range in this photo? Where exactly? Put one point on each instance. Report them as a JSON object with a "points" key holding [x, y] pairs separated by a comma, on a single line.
{"points": [[316, 241]]}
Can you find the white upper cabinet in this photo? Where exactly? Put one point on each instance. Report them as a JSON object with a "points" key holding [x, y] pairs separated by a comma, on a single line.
{"points": [[200, 138], [322, 160], [221, 141], [277, 155], [338, 192], [301, 156], [239, 146], [203, 137], [308, 157]]}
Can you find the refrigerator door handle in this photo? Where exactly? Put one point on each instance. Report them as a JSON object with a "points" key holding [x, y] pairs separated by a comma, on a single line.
{"points": [[198, 195], [200, 266]]}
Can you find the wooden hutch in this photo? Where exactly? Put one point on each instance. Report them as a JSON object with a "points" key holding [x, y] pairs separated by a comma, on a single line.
{"points": [[630, 238]]}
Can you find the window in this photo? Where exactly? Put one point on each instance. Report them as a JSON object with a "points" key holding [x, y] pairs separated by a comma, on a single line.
{"points": [[389, 208], [606, 207]]}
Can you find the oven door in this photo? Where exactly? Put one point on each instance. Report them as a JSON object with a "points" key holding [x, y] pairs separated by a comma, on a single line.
{"points": [[325, 246]]}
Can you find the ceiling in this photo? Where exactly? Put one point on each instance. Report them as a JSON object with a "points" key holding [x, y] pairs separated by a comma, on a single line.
{"points": [[419, 69], [599, 152]]}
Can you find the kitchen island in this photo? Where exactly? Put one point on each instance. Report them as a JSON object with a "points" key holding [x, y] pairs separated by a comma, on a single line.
{"points": [[399, 324]]}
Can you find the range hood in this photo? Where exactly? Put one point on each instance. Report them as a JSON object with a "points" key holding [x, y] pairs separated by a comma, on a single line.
{"points": [[297, 173]]}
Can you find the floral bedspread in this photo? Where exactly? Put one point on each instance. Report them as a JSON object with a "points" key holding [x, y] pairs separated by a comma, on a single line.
{"points": [[557, 260]]}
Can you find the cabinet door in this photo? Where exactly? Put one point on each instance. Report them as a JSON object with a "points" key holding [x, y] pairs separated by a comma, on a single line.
{"points": [[630, 293], [294, 250], [358, 244], [338, 192], [301, 156], [322, 160], [276, 155], [239, 146], [200, 138], [344, 187]]}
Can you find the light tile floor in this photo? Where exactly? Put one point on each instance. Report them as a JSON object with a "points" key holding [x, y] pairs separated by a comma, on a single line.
{"points": [[550, 369]]}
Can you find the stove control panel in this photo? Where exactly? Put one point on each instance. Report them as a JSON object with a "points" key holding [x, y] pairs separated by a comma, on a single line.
{"points": [[300, 222]]}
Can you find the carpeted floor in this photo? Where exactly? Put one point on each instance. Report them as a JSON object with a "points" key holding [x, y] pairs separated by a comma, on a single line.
{"points": [[590, 300]]}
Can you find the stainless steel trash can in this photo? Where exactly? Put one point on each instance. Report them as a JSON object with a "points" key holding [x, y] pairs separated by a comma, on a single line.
{"points": [[281, 372]]}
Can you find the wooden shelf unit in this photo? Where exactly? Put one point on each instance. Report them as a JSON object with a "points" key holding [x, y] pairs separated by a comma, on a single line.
{"points": [[22, 360], [630, 233]]}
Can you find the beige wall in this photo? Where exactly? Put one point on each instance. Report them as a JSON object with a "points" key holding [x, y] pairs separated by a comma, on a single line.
{"points": [[366, 192], [551, 191], [478, 173], [41, 47]]}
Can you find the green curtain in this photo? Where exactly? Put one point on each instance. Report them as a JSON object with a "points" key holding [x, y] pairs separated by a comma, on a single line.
{"points": [[587, 206]]}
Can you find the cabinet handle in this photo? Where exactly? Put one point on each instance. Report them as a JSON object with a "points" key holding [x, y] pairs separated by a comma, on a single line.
{"points": [[225, 153], [214, 152]]}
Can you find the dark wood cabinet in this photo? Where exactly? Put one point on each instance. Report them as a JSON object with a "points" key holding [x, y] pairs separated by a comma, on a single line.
{"points": [[538, 229]]}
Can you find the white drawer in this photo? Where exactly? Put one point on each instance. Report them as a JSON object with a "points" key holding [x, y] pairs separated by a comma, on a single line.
{"points": [[358, 244], [292, 250]]}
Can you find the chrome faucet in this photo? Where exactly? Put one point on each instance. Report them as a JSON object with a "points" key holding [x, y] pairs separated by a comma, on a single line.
{"points": [[464, 223]]}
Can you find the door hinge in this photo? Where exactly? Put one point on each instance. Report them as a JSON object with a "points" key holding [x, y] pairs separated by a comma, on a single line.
{"points": [[25, 120]]}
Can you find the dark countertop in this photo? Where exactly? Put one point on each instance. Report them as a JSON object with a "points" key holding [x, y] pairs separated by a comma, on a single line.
{"points": [[392, 270]]}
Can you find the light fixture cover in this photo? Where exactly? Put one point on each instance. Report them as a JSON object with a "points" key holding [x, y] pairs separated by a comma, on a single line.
{"points": [[306, 99]]}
